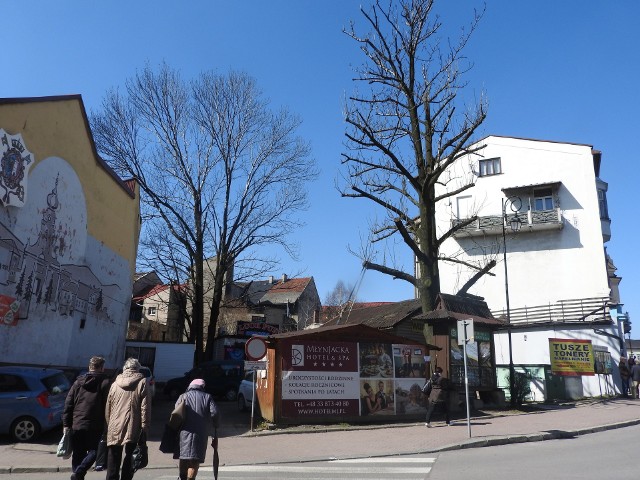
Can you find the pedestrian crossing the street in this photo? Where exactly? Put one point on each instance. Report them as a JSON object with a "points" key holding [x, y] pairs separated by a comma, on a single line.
{"points": [[387, 468]]}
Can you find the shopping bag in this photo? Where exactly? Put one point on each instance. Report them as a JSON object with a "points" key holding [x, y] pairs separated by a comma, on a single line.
{"points": [[64, 447], [141, 453]]}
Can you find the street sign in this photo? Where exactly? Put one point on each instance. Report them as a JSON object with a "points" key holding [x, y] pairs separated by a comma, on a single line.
{"points": [[255, 348], [255, 365], [465, 331]]}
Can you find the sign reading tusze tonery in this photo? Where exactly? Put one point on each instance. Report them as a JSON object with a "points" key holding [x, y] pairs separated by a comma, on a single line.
{"points": [[15, 161], [320, 379], [571, 357]]}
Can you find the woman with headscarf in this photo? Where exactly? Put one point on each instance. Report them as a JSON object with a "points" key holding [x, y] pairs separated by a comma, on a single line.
{"points": [[128, 414], [194, 431]]}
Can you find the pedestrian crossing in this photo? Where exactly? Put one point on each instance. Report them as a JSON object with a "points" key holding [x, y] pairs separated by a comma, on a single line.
{"points": [[387, 468]]}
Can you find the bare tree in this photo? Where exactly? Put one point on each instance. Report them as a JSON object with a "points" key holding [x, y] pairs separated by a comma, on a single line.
{"points": [[221, 174], [406, 133], [339, 300]]}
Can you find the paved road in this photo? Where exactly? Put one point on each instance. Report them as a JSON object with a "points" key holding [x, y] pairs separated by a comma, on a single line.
{"points": [[382, 468]]}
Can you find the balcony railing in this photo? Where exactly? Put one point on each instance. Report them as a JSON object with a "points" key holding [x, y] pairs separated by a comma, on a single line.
{"points": [[575, 310], [532, 220]]}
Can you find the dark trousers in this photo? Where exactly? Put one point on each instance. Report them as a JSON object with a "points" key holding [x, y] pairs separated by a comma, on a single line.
{"points": [[441, 404], [114, 458], [85, 445]]}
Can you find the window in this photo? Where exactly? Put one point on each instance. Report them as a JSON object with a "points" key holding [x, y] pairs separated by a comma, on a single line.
{"points": [[602, 203], [543, 199], [490, 166], [151, 311]]}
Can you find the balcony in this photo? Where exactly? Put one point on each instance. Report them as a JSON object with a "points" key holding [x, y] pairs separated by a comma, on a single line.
{"points": [[532, 220]]}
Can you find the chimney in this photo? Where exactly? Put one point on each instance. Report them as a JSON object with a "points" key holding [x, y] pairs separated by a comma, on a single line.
{"points": [[284, 277], [270, 279]]}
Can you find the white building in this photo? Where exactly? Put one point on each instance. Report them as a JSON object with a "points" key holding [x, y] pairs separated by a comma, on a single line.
{"points": [[561, 282]]}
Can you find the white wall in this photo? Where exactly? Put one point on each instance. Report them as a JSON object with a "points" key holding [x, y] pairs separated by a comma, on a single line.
{"points": [[172, 359], [543, 267], [532, 348]]}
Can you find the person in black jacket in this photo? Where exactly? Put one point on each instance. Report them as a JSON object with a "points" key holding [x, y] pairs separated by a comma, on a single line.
{"points": [[439, 396], [83, 413]]}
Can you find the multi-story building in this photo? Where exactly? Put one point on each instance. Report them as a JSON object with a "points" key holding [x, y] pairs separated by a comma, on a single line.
{"points": [[560, 281]]}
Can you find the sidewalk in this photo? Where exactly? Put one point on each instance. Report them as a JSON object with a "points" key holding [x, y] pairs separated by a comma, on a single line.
{"points": [[321, 443]]}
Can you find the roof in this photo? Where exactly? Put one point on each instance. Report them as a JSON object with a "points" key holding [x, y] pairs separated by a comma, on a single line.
{"points": [[382, 315], [277, 292], [287, 291], [354, 332], [459, 307]]}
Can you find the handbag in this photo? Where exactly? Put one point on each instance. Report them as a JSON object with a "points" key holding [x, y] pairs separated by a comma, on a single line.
{"points": [[426, 389], [141, 453], [64, 447], [176, 419], [169, 440]]}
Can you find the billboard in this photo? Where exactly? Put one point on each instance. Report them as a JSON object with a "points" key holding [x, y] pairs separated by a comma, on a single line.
{"points": [[571, 357], [352, 379]]}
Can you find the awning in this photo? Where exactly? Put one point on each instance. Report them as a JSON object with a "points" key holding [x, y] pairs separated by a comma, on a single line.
{"points": [[531, 186]]}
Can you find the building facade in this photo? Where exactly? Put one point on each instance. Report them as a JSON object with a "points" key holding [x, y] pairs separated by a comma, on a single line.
{"points": [[69, 230], [559, 278]]}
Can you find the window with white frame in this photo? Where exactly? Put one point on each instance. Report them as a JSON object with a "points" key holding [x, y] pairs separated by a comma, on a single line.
{"points": [[151, 311], [489, 166], [543, 199]]}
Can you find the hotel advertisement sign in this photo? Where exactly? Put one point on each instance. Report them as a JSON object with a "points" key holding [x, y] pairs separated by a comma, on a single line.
{"points": [[333, 379], [571, 357]]}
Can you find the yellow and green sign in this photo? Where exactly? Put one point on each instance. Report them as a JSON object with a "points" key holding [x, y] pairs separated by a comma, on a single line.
{"points": [[571, 357]]}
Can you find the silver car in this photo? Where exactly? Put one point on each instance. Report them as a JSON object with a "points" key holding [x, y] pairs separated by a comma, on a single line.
{"points": [[245, 393]]}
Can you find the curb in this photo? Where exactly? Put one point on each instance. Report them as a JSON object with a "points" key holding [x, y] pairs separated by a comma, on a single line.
{"points": [[471, 443]]}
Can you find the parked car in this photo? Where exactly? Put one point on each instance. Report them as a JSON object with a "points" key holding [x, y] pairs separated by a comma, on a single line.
{"points": [[151, 380], [31, 400], [245, 393], [222, 379]]}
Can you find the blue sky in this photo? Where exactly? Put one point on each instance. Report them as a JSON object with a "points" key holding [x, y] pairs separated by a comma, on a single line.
{"points": [[558, 70]]}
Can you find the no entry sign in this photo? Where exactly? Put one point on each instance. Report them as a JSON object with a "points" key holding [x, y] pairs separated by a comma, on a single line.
{"points": [[255, 348]]}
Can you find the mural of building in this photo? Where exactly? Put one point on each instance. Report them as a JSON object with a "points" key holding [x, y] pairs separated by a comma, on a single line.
{"points": [[69, 230]]}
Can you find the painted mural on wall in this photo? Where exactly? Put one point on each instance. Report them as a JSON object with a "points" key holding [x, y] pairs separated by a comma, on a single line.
{"points": [[329, 379], [50, 268], [15, 162]]}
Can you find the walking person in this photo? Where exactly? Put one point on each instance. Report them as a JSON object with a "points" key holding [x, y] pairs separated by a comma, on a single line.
{"points": [[201, 413], [439, 396], [84, 414], [128, 414], [635, 378], [625, 373]]}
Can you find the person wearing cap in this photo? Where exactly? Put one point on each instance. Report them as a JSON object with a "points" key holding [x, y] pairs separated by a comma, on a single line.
{"points": [[128, 414], [194, 432]]}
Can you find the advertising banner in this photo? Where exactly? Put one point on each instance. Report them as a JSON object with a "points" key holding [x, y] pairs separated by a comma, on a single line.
{"points": [[349, 379], [571, 357]]}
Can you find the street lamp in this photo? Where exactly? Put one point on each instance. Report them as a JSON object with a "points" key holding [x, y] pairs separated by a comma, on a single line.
{"points": [[514, 203]]}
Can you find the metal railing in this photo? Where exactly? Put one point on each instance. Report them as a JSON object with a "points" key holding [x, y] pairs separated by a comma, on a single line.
{"points": [[573, 310], [492, 224]]}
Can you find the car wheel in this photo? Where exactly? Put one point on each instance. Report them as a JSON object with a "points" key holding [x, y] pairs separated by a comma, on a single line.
{"points": [[25, 429], [231, 395]]}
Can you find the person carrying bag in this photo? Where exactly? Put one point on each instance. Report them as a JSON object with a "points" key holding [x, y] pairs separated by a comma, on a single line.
{"points": [[193, 434]]}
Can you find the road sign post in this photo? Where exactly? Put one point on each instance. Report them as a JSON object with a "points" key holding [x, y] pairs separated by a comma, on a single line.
{"points": [[466, 334]]}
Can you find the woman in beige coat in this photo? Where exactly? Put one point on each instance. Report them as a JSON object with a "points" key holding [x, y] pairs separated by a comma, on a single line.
{"points": [[128, 413]]}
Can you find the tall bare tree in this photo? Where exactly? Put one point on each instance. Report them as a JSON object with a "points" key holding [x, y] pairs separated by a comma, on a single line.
{"points": [[221, 175], [407, 131]]}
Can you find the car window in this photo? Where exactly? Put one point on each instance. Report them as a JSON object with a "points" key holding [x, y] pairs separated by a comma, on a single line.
{"points": [[232, 370], [56, 383], [248, 376], [12, 383]]}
